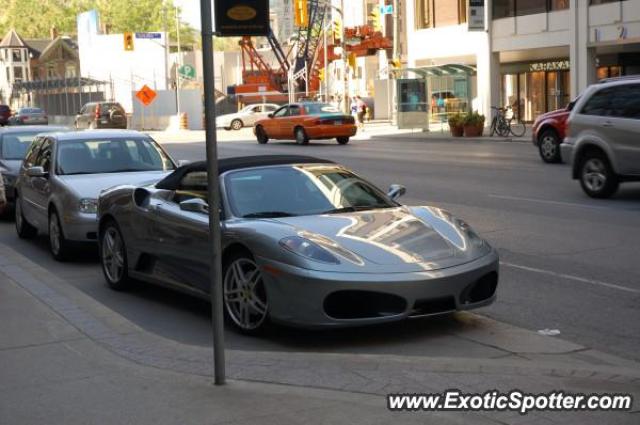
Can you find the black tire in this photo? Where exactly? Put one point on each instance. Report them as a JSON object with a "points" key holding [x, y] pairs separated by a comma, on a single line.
{"points": [[493, 130], [342, 140], [597, 178], [517, 128], [119, 281], [261, 135], [23, 228], [236, 125], [232, 311], [58, 245], [549, 146], [301, 136]]}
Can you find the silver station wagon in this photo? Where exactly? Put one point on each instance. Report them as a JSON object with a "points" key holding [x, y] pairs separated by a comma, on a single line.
{"points": [[63, 174]]}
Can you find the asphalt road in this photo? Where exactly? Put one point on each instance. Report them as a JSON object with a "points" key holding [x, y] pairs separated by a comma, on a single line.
{"points": [[569, 262]]}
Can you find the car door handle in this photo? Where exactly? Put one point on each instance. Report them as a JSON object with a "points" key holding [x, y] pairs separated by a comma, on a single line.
{"points": [[607, 124]]}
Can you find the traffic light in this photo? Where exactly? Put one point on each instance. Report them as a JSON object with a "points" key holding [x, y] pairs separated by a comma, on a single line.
{"points": [[128, 41], [376, 22], [337, 31], [352, 60], [395, 63], [321, 74], [301, 13]]}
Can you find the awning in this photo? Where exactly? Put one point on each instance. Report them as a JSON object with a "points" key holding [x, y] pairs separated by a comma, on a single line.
{"points": [[439, 70]]}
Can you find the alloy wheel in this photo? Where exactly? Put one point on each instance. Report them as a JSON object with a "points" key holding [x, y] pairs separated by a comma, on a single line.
{"points": [[236, 124], [244, 294], [594, 174], [113, 255], [548, 147]]}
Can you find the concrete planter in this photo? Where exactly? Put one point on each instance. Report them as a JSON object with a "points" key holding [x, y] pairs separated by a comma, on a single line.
{"points": [[457, 131], [473, 130]]}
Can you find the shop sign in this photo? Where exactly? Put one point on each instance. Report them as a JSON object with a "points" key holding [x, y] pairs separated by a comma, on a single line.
{"points": [[241, 17], [562, 65], [476, 15]]}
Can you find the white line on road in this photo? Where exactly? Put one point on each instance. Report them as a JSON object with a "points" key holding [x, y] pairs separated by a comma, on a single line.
{"points": [[574, 278]]}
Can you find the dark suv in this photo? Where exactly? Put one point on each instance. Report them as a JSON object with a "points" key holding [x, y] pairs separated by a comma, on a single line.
{"points": [[5, 114], [101, 115]]}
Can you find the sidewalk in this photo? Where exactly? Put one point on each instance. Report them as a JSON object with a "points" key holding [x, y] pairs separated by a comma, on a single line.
{"points": [[66, 359], [372, 131]]}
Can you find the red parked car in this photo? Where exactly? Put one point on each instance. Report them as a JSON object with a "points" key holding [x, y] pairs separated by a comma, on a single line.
{"points": [[549, 130], [5, 114]]}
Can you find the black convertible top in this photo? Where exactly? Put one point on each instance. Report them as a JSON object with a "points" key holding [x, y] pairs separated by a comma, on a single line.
{"points": [[172, 181]]}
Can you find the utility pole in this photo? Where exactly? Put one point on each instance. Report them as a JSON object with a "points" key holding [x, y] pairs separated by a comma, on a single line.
{"points": [[396, 28], [326, 63], [167, 70], [213, 193], [345, 74], [178, 62]]}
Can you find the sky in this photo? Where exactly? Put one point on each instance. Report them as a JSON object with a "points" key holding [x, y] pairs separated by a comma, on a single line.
{"points": [[190, 11]]}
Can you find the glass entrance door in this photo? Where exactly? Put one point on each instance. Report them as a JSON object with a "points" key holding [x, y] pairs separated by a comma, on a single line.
{"points": [[557, 90]]}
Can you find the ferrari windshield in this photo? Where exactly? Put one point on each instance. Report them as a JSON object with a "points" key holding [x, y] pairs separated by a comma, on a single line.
{"points": [[15, 145], [117, 155], [300, 190]]}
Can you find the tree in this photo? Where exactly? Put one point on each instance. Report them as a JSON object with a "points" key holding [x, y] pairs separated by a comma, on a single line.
{"points": [[34, 18]]}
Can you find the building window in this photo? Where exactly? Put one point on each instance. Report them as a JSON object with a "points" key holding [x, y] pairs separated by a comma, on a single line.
{"points": [[70, 70], [17, 73], [16, 55], [440, 13], [511, 8], [504, 9], [558, 5], [423, 14], [51, 71], [530, 7], [594, 2]]}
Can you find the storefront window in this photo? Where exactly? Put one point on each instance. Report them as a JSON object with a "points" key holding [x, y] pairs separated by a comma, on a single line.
{"points": [[558, 4], [510, 92], [530, 7], [504, 8]]}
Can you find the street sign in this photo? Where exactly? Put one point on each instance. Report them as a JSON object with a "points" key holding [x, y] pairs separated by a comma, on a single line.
{"points": [[187, 71], [249, 18], [152, 35], [476, 15], [146, 95], [387, 9]]}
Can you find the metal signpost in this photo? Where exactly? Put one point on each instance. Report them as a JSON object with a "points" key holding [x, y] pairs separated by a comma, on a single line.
{"points": [[250, 18]]}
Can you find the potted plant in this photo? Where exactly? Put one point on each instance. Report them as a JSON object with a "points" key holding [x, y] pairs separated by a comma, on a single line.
{"points": [[473, 124], [456, 125]]}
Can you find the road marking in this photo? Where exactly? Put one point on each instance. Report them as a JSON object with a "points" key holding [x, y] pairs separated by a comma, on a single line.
{"points": [[574, 278], [545, 201]]}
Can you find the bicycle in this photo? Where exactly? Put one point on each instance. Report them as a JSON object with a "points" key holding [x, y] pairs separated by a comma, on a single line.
{"points": [[503, 126]]}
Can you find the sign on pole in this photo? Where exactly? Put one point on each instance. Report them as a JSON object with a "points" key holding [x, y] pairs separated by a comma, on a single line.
{"points": [[250, 17], [149, 35], [187, 72], [146, 95], [476, 15], [386, 9]]}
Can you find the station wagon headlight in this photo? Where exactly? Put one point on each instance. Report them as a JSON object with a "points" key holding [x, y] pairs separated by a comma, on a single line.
{"points": [[308, 249], [88, 206]]}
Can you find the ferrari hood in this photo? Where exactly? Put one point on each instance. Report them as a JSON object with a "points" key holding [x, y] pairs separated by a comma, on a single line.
{"points": [[90, 185], [395, 236]]}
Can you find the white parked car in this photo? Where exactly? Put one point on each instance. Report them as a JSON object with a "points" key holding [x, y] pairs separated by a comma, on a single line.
{"points": [[246, 117]]}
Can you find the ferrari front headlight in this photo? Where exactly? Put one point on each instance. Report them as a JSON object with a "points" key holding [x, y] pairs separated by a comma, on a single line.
{"points": [[308, 249]]}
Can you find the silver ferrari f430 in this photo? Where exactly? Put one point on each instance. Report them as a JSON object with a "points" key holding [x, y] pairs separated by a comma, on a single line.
{"points": [[305, 242]]}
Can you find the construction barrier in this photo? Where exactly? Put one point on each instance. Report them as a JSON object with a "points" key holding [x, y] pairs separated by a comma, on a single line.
{"points": [[184, 121]]}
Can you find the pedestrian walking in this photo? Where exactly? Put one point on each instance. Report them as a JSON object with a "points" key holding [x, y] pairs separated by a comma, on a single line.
{"points": [[354, 108], [361, 108]]}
